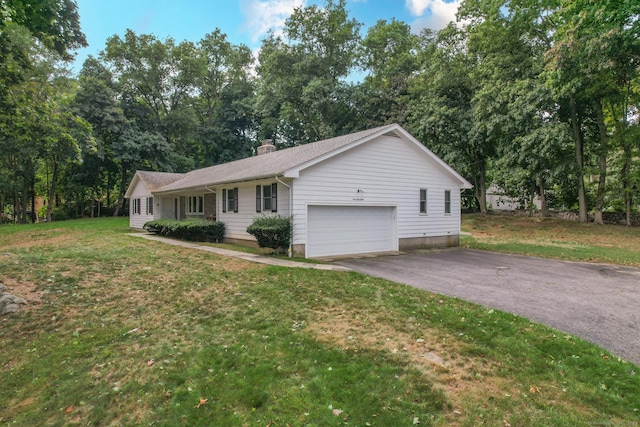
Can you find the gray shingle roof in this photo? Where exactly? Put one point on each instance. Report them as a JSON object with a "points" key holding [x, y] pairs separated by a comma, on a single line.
{"points": [[156, 180], [266, 165]]}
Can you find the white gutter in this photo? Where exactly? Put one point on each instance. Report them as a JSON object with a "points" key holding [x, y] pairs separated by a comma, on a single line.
{"points": [[290, 213]]}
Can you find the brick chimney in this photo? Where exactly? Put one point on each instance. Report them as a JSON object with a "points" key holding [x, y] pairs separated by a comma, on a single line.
{"points": [[266, 147]]}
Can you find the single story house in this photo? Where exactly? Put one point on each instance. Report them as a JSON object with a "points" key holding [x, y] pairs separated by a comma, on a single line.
{"points": [[370, 191]]}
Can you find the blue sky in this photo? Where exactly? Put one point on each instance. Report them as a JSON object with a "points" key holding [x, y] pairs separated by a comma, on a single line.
{"points": [[243, 21]]}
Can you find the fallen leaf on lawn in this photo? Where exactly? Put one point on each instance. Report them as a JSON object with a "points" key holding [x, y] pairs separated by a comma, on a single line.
{"points": [[150, 362], [69, 409], [416, 421], [534, 389], [337, 412], [202, 402]]}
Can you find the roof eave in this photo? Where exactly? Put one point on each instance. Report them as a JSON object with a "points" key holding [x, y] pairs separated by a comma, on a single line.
{"points": [[216, 184]]}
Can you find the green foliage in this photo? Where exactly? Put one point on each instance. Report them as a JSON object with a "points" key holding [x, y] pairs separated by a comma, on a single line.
{"points": [[533, 96], [304, 96], [198, 230], [272, 231]]}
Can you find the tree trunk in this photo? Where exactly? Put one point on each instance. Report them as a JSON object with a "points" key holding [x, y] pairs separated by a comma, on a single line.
{"points": [[481, 188], [24, 202], [579, 149], [52, 190], [604, 150], [626, 185], [34, 214], [16, 198], [123, 177], [543, 198]]}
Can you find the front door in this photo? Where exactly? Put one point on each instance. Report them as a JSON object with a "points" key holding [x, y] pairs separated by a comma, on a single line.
{"points": [[169, 208]]}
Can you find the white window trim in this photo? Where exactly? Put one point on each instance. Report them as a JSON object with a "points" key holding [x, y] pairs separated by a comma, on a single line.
{"points": [[426, 201], [445, 202], [137, 206], [198, 201]]}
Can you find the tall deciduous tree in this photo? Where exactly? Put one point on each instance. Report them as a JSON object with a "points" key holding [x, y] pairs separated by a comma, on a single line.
{"points": [[161, 77], [225, 100], [303, 95], [389, 56]]}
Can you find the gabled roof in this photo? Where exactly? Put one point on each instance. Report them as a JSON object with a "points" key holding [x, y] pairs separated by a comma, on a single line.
{"points": [[288, 162], [152, 180]]}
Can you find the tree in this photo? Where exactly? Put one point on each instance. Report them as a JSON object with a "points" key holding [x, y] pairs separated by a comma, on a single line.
{"points": [[54, 22], [592, 64], [303, 95], [160, 77], [445, 97], [389, 55], [225, 102]]}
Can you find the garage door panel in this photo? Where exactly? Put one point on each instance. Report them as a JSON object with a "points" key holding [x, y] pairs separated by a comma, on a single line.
{"points": [[339, 230]]}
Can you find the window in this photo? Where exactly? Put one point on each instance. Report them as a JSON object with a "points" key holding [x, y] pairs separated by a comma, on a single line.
{"points": [[230, 200], [423, 200], [447, 201], [195, 205], [267, 198], [258, 198], [149, 205], [136, 206]]}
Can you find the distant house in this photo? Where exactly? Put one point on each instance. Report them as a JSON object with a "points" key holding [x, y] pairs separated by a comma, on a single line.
{"points": [[370, 191], [499, 200]]}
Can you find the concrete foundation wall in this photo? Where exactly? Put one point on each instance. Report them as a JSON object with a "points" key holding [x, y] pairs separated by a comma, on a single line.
{"points": [[412, 243]]}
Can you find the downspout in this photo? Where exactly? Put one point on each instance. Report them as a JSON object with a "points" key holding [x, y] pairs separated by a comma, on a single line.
{"points": [[216, 193], [290, 214]]}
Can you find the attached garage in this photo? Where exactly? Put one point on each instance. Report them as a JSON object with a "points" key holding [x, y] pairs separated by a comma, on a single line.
{"points": [[341, 230]]}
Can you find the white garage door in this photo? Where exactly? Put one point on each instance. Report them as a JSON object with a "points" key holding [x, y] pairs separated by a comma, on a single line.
{"points": [[340, 230]]}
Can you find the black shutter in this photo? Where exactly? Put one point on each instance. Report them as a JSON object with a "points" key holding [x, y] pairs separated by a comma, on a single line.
{"points": [[258, 198], [235, 206], [224, 200], [274, 197]]}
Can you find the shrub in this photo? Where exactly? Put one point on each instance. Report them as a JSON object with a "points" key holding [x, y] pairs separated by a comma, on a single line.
{"points": [[271, 231], [198, 230]]}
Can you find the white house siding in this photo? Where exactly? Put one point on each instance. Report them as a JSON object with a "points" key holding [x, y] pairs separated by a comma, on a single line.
{"points": [[140, 192], [386, 171], [236, 223]]}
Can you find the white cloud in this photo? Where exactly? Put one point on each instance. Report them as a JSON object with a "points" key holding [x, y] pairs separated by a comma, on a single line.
{"points": [[434, 14], [264, 15]]}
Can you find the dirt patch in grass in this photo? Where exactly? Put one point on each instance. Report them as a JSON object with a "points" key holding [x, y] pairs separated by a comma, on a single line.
{"points": [[24, 290]]}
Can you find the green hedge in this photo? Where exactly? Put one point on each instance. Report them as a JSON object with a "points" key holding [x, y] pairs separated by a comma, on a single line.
{"points": [[271, 231], [198, 230]]}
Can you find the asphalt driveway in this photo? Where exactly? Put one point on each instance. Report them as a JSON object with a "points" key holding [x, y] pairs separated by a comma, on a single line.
{"points": [[597, 302]]}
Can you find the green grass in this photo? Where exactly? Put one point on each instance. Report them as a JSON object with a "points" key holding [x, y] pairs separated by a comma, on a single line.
{"points": [[124, 331], [553, 238]]}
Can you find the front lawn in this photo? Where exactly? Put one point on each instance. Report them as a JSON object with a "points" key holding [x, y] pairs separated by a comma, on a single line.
{"points": [[125, 331]]}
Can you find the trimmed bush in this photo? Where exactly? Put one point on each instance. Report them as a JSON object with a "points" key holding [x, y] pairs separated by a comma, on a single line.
{"points": [[198, 230], [271, 231]]}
